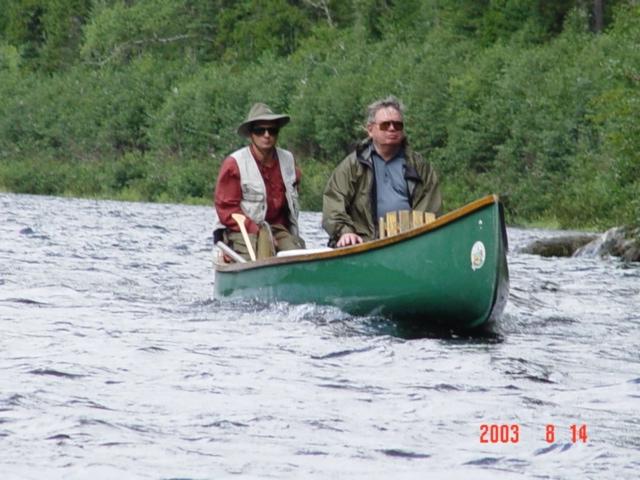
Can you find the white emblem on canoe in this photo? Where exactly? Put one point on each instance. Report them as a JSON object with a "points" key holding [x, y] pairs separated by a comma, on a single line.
{"points": [[478, 255]]}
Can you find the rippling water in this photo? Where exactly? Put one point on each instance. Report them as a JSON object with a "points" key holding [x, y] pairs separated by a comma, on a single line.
{"points": [[117, 362]]}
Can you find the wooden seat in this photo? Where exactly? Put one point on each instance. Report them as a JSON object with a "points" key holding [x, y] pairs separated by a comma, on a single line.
{"points": [[397, 222]]}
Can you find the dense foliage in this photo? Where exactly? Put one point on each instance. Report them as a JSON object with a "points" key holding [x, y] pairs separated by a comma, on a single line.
{"points": [[534, 100]]}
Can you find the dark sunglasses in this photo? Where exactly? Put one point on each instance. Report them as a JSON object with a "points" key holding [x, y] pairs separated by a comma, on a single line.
{"points": [[273, 131], [384, 126]]}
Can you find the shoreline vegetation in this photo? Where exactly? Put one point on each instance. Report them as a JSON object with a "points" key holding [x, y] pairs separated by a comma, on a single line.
{"points": [[535, 101]]}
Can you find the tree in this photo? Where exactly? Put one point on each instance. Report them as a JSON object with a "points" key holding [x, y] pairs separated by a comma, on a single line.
{"points": [[120, 32], [253, 27], [24, 28], [47, 33], [598, 15]]}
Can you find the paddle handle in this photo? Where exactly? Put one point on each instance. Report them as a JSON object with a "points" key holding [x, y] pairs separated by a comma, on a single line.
{"points": [[239, 218]]}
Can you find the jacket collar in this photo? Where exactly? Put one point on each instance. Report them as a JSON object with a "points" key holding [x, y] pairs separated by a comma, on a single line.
{"points": [[365, 149]]}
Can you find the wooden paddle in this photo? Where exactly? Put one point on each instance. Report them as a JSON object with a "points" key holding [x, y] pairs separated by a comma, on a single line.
{"points": [[239, 218]]}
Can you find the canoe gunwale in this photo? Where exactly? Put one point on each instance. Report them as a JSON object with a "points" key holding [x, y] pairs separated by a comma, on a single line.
{"points": [[363, 247]]}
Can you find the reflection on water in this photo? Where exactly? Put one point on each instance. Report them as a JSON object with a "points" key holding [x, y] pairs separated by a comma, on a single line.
{"points": [[117, 361]]}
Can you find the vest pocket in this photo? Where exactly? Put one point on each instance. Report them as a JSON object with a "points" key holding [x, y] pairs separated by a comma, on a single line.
{"points": [[252, 195]]}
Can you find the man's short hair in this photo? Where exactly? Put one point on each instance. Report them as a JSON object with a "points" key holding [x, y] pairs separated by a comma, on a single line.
{"points": [[390, 101]]}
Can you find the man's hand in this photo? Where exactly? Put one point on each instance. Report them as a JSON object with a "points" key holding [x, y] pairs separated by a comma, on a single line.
{"points": [[347, 239]]}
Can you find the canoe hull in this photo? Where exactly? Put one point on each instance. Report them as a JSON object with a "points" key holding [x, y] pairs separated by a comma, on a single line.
{"points": [[454, 274]]}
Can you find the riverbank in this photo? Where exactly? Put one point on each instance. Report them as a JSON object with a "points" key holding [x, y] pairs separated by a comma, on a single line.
{"points": [[138, 177], [623, 242]]}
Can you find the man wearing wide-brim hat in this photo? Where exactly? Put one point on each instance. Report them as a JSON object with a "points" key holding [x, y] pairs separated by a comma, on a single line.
{"points": [[257, 190]]}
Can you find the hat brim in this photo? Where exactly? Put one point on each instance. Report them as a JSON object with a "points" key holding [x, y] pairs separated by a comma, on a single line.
{"points": [[280, 120]]}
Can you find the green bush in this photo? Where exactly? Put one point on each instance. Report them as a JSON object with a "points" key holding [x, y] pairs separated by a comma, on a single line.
{"points": [[141, 100], [314, 179], [192, 180], [200, 115], [43, 177]]}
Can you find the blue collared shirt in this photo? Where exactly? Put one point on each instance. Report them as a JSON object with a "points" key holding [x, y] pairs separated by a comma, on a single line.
{"points": [[392, 191]]}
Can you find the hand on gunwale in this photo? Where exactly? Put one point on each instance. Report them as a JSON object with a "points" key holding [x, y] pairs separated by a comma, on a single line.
{"points": [[347, 239]]}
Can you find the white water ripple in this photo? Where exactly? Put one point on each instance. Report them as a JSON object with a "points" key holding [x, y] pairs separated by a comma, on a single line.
{"points": [[116, 361]]}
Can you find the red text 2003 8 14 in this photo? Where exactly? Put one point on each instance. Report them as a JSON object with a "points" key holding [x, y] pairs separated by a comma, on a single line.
{"points": [[510, 433]]}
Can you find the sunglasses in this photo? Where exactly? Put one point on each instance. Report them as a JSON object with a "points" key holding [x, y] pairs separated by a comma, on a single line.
{"points": [[384, 126], [273, 131]]}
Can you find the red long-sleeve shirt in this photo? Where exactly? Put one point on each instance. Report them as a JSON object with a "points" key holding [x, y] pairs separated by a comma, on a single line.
{"points": [[228, 194]]}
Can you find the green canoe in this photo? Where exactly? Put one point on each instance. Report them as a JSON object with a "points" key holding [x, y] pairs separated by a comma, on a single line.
{"points": [[451, 272]]}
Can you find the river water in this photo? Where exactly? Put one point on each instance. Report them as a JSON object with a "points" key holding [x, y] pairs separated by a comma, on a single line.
{"points": [[116, 361]]}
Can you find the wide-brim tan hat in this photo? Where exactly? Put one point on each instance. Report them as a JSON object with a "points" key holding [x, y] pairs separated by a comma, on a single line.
{"points": [[261, 112]]}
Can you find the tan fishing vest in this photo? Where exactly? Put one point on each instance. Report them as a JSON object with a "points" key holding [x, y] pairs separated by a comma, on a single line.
{"points": [[254, 193]]}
